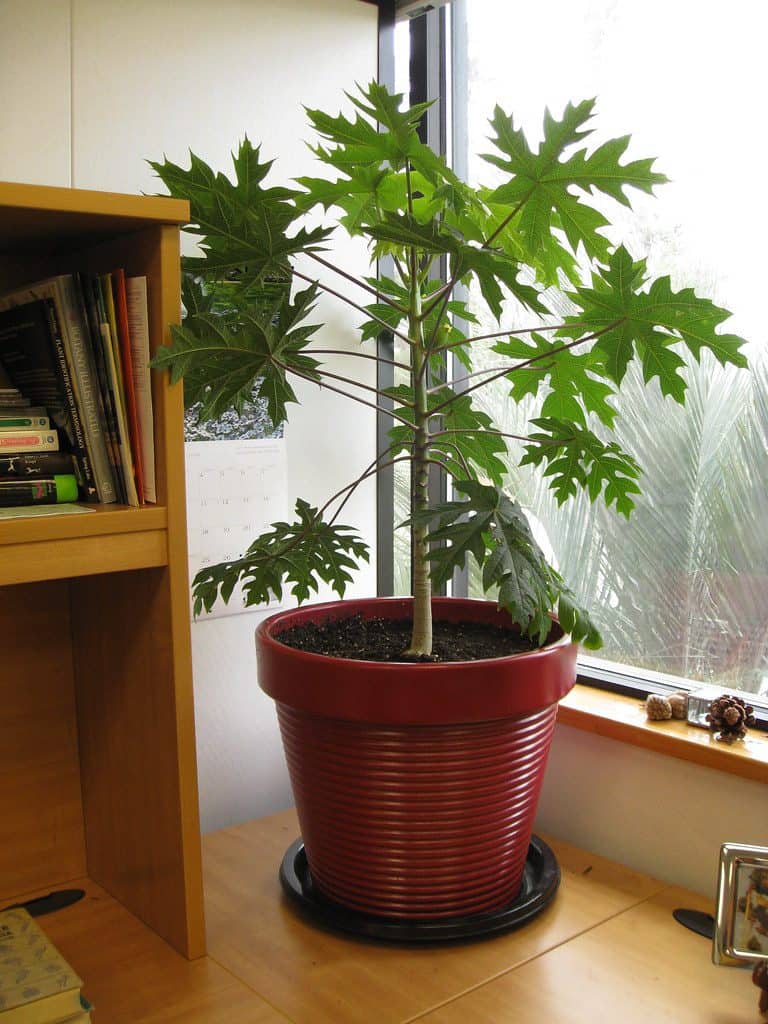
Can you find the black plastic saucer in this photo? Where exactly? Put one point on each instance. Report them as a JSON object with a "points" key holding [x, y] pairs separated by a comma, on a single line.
{"points": [[541, 878]]}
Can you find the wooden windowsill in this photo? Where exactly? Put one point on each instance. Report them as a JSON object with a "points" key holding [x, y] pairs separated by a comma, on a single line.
{"points": [[623, 718]]}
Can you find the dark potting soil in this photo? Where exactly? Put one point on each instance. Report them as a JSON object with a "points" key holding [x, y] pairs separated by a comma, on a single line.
{"points": [[386, 639]]}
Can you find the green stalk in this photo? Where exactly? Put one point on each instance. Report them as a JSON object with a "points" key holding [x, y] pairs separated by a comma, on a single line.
{"points": [[421, 636]]}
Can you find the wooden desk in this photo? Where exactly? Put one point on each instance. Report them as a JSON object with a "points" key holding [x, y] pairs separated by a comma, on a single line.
{"points": [[606, 949]]}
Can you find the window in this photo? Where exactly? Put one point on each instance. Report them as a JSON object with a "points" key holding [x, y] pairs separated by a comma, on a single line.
{"points": [[681, 591]]}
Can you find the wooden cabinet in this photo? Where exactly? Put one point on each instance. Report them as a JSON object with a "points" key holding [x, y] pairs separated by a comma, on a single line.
{"points": [[97, 749]]}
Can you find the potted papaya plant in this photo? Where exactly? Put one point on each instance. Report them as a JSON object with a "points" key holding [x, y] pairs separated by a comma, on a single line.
{"points": [[417, 730]]}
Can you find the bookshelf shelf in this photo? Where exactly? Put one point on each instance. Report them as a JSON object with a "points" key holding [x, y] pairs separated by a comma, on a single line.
{"points": [[97, 748], [109, 538]]}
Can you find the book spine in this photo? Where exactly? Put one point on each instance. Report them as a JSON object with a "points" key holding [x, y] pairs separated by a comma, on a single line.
{"points": [[74, 429], [35, 464], [88, 311], [28, 440], [138, 326], [126, 364], [82, 366], [27, 410], [43, 491], [20, 422], [112, 352]]}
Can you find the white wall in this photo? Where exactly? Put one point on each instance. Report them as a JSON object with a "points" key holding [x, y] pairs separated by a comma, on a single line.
{"points": [[91, 89], [657, 814]]}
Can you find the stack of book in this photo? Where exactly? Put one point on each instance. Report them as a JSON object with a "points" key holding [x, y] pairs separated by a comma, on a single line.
{"points": [[37, 985], [75, 396]]}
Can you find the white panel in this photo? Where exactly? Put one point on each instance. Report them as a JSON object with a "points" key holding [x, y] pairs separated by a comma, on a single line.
{"points": [[153, 79], [34, 86], [659, 815], [241, 769]]}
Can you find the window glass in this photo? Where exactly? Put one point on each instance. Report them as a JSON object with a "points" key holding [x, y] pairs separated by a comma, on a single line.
{"points": [[682, 588], [402, 540]]}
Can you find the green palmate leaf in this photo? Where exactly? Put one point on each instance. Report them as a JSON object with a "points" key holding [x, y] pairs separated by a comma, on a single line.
{"points": [[550, 260], [442, 333], [360, 142], [470, 444], [384, 136], [438, 327], [403, 230], [492, 528], [577, 384], [576, 458], [359, 195], [491, 267], [299, 556], [645, 324], [541, 185], [243, 225], [225, 359]]}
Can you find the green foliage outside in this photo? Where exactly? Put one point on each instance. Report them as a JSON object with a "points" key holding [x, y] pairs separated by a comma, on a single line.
{"points": [[248, 330]]}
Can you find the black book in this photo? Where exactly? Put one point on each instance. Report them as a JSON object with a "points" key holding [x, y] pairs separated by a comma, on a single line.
{"points": [[28, 465], [32, 352]]}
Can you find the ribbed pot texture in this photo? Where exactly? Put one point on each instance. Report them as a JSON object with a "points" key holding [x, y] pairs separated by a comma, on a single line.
{"points": [[416, 786]]}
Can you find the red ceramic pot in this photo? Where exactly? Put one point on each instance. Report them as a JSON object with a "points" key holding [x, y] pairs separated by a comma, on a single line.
{"points": [[416, 785]]}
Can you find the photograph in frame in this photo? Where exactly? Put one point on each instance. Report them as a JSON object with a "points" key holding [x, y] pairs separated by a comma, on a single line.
{"points": [[741, 920]]}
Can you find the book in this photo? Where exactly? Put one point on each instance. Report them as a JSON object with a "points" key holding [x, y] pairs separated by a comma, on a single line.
{"points": [[138, 326], [40, 491], [19, 422], [62, 291], [34, 464], [28, 440], [112, 352], [27, 410], [32, 349], [37, 985], [126, 366], [87, 284]]}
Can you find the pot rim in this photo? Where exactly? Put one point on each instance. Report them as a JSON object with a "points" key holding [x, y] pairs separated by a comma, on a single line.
{"points": [[266, 636]]}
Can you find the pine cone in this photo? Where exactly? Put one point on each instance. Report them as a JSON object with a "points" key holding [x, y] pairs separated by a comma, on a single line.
{"points": [[657, 708], [729, 717]]}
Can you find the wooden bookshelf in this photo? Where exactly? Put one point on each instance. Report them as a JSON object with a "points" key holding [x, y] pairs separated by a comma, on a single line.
{"points": [[97, 748]]}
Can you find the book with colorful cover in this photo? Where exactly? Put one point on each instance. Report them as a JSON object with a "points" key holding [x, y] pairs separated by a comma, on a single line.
{"points": [[28, 441], [51, 490], [37, 985], [20, 421]]}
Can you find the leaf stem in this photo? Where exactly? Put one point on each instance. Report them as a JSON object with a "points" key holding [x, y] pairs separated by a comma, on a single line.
{"points": [[381, 296], [495, 234], [527, 362], [353, 304], [357, 355], [338, 391], [507, 333]]}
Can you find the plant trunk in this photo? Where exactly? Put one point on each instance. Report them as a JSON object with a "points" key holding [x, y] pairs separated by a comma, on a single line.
{"points": [[421, 637]]}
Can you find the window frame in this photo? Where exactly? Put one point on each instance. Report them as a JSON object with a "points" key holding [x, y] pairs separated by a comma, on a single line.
{"points": [[431, 40]]}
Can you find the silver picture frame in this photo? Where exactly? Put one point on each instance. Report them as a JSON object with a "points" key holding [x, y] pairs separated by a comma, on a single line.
{"points": [[741, 918]]}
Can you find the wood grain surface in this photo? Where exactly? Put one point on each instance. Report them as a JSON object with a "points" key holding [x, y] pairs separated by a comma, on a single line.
{"points": [[323, 978]]}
